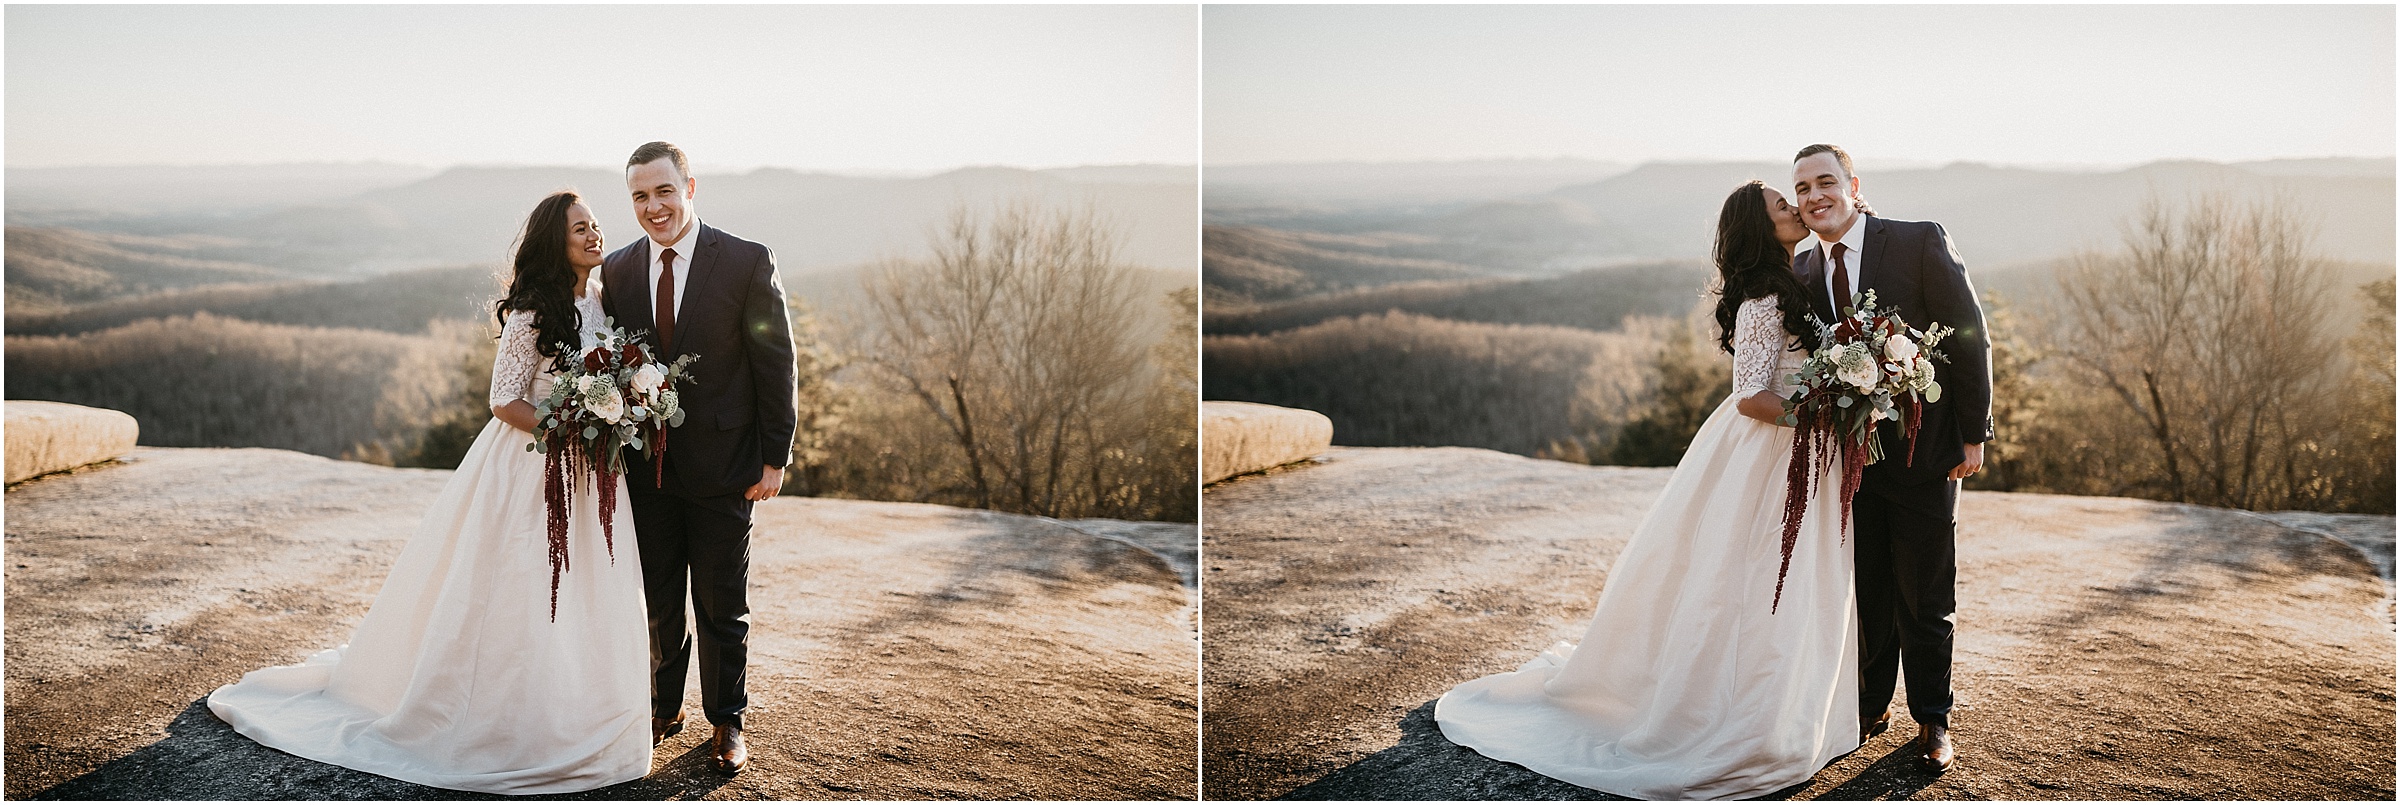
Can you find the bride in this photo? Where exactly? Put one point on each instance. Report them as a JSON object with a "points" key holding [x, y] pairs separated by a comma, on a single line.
{"points": [[1691, 682], [458, 678]]}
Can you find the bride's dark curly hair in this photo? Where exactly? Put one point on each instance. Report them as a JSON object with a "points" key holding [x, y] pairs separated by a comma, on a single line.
{"points": [[1751, 263], [542, 281]]}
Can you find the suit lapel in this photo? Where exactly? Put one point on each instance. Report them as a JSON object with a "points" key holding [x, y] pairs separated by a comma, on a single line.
{"points": [[695, 277], [1811, 270], [642, 315], [1870, 269]]}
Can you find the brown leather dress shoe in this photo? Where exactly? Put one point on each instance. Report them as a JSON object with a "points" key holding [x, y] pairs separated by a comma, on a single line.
{"points": [[1934, 745], [1869, 729], [727, 750], [663, 728]]}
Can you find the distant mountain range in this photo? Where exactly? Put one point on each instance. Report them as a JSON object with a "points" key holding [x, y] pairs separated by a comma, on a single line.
{"points": [[1395, 184], [1997, 215], [332, 220], [51, 269]]}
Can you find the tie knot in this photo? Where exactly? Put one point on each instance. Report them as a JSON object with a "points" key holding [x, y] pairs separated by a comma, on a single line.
{"points": [[1838, 250], [667, 258]]}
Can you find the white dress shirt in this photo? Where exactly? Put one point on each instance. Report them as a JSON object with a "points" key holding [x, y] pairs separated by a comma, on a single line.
{"points": [[683, 266], [1856, 239]]}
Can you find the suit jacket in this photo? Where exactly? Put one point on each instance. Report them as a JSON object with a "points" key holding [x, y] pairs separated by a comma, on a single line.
{"points": [[738, 397], [1911, 265]]}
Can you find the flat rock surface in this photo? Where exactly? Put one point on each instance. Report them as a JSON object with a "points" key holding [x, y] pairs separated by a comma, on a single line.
{"points": [[899, 651], [2108, 648]]}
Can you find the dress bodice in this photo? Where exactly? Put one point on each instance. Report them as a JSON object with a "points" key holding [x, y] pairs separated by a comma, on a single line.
{"points": [[518, 370]]}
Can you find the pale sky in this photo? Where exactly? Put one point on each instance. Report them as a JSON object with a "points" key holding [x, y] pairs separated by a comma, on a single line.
{"points": [[2016, 84], [838, 88]]}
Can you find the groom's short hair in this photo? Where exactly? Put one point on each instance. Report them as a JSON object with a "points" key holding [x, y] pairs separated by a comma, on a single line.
{"points": [[1839, 156], [661, 149]]}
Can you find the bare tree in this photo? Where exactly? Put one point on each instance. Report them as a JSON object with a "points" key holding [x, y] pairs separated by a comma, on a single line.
{"points": [[2209, 327], [1020, 336]]}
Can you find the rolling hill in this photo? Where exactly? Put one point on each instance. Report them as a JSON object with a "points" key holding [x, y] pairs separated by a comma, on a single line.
{"points": [[51, 269], [1998, 216], [1247, 265], [813, 221], [1592, 299], [399, 302]]}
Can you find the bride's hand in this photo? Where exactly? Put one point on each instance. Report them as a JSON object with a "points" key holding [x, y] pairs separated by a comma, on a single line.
{"points": [[1763, 406], [518, 414]]}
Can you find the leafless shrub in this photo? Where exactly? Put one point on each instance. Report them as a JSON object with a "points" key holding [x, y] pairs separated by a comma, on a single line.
{"points": [[2207, 337], [1027, 387]]}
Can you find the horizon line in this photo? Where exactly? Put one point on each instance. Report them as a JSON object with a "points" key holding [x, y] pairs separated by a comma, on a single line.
{"points": [[2047, 165], [702, 169]]}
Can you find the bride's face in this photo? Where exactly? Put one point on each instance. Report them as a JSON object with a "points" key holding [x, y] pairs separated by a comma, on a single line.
{"points": [[1788, 228], [583, 237]]}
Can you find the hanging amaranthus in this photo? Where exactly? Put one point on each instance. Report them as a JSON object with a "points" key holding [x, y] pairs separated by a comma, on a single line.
{"points": [[1870, 362], [616, 396]]}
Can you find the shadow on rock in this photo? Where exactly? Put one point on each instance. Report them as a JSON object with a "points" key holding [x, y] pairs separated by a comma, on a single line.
{"points": [[202, 758], [1895, 776], [2203, 551], [1426, 766], [1053, 555]]}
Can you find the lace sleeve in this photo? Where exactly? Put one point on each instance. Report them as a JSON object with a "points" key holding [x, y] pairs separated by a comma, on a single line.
{"points": [[518, 361], [1758, 345]]}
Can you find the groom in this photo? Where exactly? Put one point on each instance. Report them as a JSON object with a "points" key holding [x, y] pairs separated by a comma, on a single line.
{"points": [[1904, 519], [700, 291]]}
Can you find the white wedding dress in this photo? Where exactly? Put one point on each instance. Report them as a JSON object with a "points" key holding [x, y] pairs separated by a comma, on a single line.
{"points": [[457, 677], [1686, 686]]}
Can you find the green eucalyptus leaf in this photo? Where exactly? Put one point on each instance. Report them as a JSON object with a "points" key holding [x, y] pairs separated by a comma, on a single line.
{"points": [[590, 432]]}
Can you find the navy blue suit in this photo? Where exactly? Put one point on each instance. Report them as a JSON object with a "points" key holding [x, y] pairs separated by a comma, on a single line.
{"points": [[1905, 518], [739, 416]]}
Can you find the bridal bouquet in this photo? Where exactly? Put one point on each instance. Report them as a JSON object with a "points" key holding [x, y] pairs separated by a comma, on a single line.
{"points": [[1871, 367], [617, 395]]}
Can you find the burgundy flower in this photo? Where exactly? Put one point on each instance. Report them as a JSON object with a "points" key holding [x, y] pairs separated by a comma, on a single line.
{"points": [[595, 360], [632, 355]]}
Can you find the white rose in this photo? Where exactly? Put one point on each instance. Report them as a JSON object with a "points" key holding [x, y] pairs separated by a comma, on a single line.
{"points": [[1857, 369], [1900, 349], [609, 409], [583, 385], [647, 379]]}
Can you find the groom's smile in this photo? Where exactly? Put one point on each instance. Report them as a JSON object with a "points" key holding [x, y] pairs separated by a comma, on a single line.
{"points": [[662, 198], [1823, 187]]}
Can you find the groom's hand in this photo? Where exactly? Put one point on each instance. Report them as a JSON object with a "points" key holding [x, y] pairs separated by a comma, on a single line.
{"points": [[1972, 465], [771, 482]]}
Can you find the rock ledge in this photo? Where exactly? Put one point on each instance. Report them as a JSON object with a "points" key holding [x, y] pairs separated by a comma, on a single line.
{"points": [[46, 437], [1238, 438]]}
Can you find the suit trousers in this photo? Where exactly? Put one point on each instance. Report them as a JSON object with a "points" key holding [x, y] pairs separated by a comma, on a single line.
{"points": [[706, 541], [1907, 598]]}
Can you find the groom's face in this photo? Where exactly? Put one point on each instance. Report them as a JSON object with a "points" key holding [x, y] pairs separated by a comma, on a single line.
{"points": [[1824, 192], [662, 198]]}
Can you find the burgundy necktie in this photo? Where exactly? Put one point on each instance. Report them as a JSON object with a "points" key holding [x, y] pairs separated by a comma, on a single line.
{"points": [[666, 299], [1841, 278]]}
